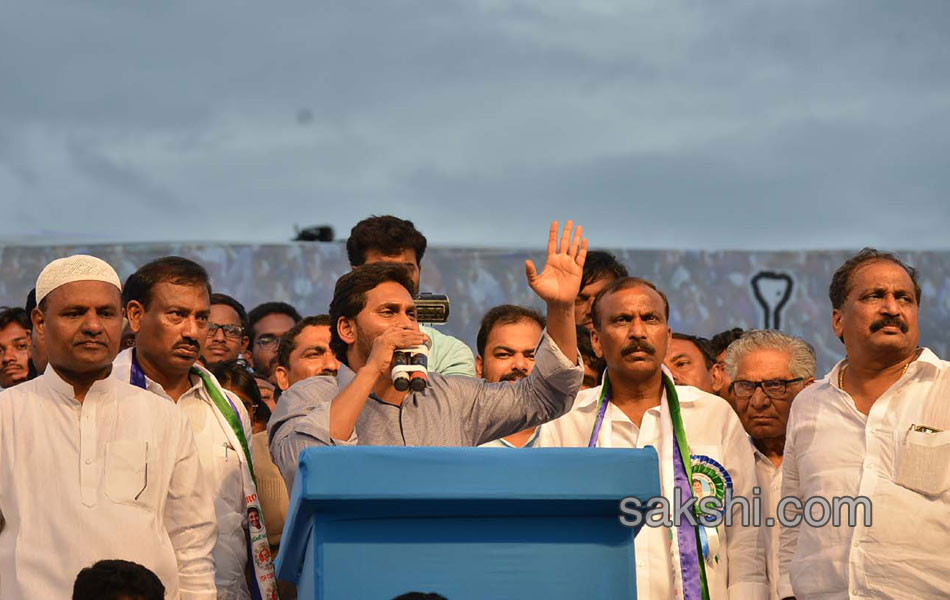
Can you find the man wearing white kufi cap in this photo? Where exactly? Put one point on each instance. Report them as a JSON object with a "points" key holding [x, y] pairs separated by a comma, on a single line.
{"points": [[90, 467]]}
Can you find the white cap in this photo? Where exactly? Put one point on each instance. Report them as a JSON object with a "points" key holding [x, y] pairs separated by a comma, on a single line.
{"points": [[78, 267]]}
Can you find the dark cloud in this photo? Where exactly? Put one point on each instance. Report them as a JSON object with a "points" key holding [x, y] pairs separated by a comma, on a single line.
{"points": [[679, 124]]}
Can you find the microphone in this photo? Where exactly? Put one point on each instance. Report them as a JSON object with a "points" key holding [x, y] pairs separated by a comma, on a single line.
{"points": [[411, 368]]}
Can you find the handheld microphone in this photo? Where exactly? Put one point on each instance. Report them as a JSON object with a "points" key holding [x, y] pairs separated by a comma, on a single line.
{"points": [[411, 368]]}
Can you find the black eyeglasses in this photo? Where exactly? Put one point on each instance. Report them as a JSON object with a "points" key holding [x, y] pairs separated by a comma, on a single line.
{"points": [[232, 332], [773, 388]]}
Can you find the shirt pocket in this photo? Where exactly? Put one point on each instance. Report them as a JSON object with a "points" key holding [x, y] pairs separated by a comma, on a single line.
{"points": [[126, 471], [921, 462]]}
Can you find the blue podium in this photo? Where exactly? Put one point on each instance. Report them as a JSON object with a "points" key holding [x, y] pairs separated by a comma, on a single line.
{"points": [[466, 523]]}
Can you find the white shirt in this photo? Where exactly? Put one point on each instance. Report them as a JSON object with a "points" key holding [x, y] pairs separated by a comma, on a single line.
{"points": [[503, 443], [713, 430], [770, 484], [114, 477], [832, 449], [220, 465]]}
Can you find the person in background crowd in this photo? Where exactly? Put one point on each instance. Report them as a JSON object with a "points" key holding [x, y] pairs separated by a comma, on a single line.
{"points": [[86, 492], [269, 392], [691, 362], [391, 239], [593, 365], [877, 426], [768, 369], [638, 405], [37, 348], [168, 306], [268, 322], [270, 485], [14, 347], [117, 580], [600, 270], [304, 351], [721, 382], [227, 331], [374, 314], [506, 343], [128, 336]]}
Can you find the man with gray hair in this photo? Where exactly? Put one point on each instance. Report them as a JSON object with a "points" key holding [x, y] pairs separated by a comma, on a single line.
{"points": [[768, 369]]}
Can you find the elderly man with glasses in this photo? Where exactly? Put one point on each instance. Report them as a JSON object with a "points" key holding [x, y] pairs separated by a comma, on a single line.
{"points": [[768, 369]]}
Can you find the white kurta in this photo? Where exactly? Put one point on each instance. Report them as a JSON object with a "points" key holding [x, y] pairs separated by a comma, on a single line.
{"points": [[832, 449], [713, 430], [117, 476], [770, 483], [221, 466]]}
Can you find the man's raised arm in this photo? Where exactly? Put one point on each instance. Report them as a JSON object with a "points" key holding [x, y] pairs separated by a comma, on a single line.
{"points": [[559, 283]]}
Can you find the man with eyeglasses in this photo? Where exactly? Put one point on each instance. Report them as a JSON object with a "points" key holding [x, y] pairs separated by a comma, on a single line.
{"points": [[268, 322], [227, 331], [768, 369], [14, 347]]}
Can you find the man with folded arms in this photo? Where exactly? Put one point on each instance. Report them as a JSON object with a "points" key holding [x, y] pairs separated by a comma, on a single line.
{"points": [[92, 468], [877, 426], [373, 314], [699, 440]]}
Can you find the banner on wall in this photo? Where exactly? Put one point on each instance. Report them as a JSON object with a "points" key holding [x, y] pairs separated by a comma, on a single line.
{"points": [[708, 291]]}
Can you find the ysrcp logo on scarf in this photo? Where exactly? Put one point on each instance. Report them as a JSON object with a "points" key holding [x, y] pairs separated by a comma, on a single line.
{"points": [[709, 480]]}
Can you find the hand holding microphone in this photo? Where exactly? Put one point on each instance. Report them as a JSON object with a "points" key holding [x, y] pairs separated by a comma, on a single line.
{"points": [[391, 342]]}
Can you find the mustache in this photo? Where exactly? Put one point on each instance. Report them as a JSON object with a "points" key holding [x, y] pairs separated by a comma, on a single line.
{"points": [[513, 376], [886, 321], [188, 343], [327, 372], [638, 346]]}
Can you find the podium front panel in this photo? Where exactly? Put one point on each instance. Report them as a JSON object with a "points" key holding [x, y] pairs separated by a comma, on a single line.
{"points": [[466, 523]]}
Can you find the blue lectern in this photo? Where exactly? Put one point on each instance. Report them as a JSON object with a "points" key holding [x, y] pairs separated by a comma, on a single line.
{"points": [[466, 523]]}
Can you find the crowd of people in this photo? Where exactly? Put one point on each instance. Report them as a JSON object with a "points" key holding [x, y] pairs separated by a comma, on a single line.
{"points": [[155, 424]]}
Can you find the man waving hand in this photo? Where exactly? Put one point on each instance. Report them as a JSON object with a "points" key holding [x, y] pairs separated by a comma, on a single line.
{"points": [[373, 314]]}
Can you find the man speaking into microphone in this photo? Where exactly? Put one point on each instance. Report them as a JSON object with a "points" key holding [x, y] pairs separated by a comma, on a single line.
{"points": [[373, 315]]}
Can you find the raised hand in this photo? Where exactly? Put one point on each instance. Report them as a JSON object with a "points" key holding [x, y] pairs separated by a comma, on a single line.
{"points": [[560, 281]]}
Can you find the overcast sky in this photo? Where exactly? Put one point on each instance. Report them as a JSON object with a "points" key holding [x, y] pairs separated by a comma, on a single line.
{"points": [[667, 124]]}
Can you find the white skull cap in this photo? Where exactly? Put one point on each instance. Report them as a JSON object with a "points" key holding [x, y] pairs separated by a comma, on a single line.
{"points": [[78, 267]]}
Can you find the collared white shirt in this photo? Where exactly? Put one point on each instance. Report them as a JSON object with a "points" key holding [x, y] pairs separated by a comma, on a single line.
{"points": [[770, 485], [712, 429], [117, 476], [832, 449], [221, 466]]}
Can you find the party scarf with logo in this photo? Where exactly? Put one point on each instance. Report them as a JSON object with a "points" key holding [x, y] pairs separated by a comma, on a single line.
{"points": [[692, 567], [264, 582]]}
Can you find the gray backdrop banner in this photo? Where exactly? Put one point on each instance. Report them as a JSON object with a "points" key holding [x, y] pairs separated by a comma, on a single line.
{"points": [[708, 291]]}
